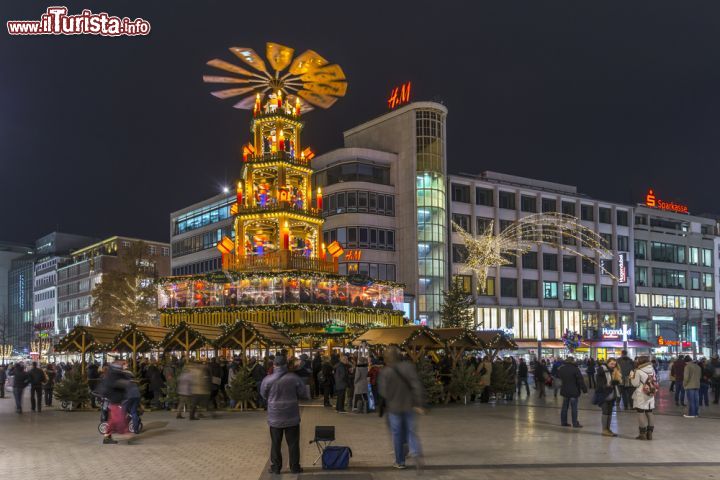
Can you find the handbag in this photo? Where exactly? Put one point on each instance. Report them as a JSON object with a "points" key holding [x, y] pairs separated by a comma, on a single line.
{"points": [[336, 458]]}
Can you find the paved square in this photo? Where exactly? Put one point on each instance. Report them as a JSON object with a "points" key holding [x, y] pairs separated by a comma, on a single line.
{"points": [[520, 440]]}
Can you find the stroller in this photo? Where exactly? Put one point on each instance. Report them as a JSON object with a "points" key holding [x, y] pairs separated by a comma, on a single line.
{"points": [[104, 426]]}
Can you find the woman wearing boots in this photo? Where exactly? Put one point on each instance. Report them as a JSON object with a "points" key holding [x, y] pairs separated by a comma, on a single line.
{"points": [[607, 380], [643, 403]]}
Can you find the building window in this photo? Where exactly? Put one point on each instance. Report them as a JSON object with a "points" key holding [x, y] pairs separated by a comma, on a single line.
{"points": [[483, 224], [463, 221], [588, 266], [465, 282], [530, 260], [606, 240], [489, 287], [459, 253], [606, 293], [642, 300], [623, 243], [588, 292], [640, 250], [668, 252], [708, 303], [550, 262], [508, 287], [505, 224], [624, 294], [549, 205], [641, 276], [667, 278], [570, 263], [693, 256], [604, 215], [353, 172], [550, 290], [568, 208], [460, 193], [707, 282], [569, 291], [587, 212], [530, 288], [166, 251], [622, 218], [507, 200], [707, 257], [528, 204], [484, 196]]}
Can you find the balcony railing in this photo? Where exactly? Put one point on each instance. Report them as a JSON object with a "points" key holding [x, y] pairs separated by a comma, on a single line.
{"points": [[279, 207], [280, 260], [279, 157]]}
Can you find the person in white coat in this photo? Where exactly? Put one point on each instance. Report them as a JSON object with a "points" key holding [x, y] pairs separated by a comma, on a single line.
{"points": [[644, 381]]}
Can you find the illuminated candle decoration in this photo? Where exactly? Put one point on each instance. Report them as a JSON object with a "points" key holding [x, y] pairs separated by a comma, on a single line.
{"points": [[286, 237], [239, 194], [319, 200]]}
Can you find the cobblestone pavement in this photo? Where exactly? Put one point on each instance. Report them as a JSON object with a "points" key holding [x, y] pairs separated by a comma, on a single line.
{"points": [[520, 440]]}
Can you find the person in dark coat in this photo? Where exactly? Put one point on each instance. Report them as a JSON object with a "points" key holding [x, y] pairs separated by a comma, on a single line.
{"points": [[3, 379], [572, 386], [257, 372], [607, 381], [282, 391], [316, 367], [522, 377], [626, 366], [21, 379], [326, 382], [591, 372], [678, 371], [153, 376], [541, 375], [340, 376], [49, 384], [93, 377], [37, 379]]}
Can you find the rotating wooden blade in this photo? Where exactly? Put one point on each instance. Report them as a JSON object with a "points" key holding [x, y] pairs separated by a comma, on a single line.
{"points": [[324, 74], [337, 89], [214, 79], [304, 106], [279, 56], [322, 101], [249, 56], [246, 103], [306, 61], [232, 92], [228, 67]]}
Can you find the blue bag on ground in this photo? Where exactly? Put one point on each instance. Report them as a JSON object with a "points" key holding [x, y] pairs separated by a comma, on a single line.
{"points": [[336, 458]]}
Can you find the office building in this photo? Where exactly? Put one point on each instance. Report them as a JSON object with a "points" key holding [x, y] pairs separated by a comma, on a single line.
{"points": [[20, 302], [77, 278], [8, 252], [384, 199], [194, 232], [52, 251], [545, 292], [675, 276]]}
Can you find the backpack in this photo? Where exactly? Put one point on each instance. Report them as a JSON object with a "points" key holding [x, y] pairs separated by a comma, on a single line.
{"points": [[650, 387]]}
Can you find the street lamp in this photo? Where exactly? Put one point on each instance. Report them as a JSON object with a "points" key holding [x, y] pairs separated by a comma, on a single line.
{"points": [[539, 340], [625, 336]]}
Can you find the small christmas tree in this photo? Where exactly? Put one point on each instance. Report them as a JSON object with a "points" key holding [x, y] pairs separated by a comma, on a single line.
{"points": [[432, 387], [502, 380], [456, 310], [170, 395], [464, 381], [242, 388], [73, 389]]}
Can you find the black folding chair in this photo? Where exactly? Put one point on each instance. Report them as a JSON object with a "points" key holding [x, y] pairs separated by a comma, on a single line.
{"points": [[324, 437]]}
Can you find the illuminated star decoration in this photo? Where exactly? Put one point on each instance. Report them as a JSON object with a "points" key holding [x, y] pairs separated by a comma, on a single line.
{"points": [[558, 230], [310, 77]]}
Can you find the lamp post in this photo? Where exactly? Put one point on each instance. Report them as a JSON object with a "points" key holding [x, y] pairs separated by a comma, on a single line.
{"points": [[625, 336], [539, 341]]}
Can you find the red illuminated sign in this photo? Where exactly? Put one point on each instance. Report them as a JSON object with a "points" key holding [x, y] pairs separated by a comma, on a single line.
{"points": [[353, 255], [672, 343], [399, 95], [652, 201]]}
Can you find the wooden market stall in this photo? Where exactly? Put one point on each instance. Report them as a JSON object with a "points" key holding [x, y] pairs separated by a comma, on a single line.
{"points": [[457, 341], [414, 340], [188, 338], [242, 335], [83, 340], [134, 339], [493, 341]]}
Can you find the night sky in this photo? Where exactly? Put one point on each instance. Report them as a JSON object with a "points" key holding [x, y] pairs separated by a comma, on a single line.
{"points": [[105, 136]]}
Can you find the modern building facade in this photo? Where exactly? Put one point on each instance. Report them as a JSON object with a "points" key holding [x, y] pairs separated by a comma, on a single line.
{"points": [[77, 278], [545, 292], [8, 252], [52, 251], [20, 302], [194, 232], [385, 195], [675, 278]]}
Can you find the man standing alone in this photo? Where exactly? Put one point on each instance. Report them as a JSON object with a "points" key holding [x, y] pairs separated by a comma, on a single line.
{"points": [[37, 378], [282, 391], [572, 385], [691, 385]]}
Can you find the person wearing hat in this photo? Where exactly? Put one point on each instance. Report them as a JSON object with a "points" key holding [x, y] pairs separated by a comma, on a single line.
{"points": [[282, 392]]}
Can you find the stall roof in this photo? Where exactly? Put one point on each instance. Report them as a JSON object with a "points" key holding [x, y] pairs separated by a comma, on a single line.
{"points": [[458, 337], [414, 336], [95, 337], [496, 339]]}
